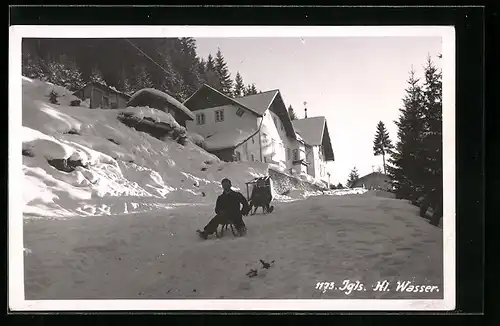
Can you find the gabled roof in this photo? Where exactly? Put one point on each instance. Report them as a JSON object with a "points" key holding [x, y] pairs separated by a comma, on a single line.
{"points": [[222, 95], [314, 131], [258, 102], [141, 98], [311, 129], [273, 101]]}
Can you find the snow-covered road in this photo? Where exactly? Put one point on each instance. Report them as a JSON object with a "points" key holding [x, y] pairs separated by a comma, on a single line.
{"points": [[158, 255]]}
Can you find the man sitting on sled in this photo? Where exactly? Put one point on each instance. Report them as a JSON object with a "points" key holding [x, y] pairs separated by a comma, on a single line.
{"points": [[227, 209]]}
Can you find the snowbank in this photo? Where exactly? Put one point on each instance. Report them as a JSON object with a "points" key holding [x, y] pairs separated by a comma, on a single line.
{"points": [[126, 171]]}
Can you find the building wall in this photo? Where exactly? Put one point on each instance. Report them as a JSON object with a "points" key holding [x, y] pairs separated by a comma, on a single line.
{"points": [[231, 121], [249, 150], [318, 167], [275, 141], [311, 169]]}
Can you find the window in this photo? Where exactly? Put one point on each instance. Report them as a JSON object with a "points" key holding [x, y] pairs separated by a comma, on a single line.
{"points": [[240, 112], [200, 119], [253, 157], [295, 154], [237, 156], [219, 115], [288, 153]]}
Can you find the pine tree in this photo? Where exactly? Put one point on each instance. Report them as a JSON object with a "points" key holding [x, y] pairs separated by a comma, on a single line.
{"points": [[124, 82], [239, 86], [96, 76], [291, 113], [340, 186], [226, 84], [65, 72], [31, 65], [406, 156], [250, 90], [142, 79], [211, 77], [432, 136], [353, 177], [381, 143]]}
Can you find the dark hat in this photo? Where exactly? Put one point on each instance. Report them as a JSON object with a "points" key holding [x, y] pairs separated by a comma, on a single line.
{"points": [[226, 180]]}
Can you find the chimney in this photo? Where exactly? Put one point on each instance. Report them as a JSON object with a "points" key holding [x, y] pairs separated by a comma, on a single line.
{"points": [[305, 110]]}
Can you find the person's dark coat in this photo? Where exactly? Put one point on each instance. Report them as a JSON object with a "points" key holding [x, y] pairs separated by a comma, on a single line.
{"points": [[229, 203]]}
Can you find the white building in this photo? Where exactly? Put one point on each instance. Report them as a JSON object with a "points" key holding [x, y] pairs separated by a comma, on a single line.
{"points": [[258, 128]]}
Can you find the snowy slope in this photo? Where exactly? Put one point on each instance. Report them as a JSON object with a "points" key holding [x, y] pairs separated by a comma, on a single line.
{"points": [[127, 171]]}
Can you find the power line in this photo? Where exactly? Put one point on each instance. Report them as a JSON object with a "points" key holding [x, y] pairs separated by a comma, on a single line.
{"points": [[147, 56]]}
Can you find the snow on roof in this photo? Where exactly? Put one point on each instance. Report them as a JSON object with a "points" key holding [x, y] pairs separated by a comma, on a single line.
{"points": [[157, 115], [258, 102], [108, 87], [311, 129], [222, 140], [164, 96]]}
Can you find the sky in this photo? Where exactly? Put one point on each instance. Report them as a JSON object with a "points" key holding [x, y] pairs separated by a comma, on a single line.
{"points": [[354, 82]]}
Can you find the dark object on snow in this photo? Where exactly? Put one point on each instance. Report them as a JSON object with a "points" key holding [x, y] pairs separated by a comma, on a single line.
{"points": [[266, 265], [203, 169], [72, 132], [228, 212], [252, 273], [433, 200], [28, 152], [75, 103], [203, 194], [53, 97], [113, 141], [261, 194], [66, 165]]}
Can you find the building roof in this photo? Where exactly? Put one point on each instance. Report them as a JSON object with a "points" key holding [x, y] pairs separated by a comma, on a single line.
{"points": [[110, 89], [140, 95], [311, 129], [314, 132], [229, 99], [258, 102], [373, 174]]}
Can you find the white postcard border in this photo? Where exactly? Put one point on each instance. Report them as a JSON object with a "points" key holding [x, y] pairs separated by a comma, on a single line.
{"points": [[16, 295]]}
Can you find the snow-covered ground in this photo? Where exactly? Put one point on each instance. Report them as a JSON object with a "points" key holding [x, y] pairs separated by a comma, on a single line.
{"points": [[158, 255], [124, 226]]}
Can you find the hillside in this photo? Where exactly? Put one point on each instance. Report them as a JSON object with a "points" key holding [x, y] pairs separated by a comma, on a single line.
{"points": [[123, 170]]}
